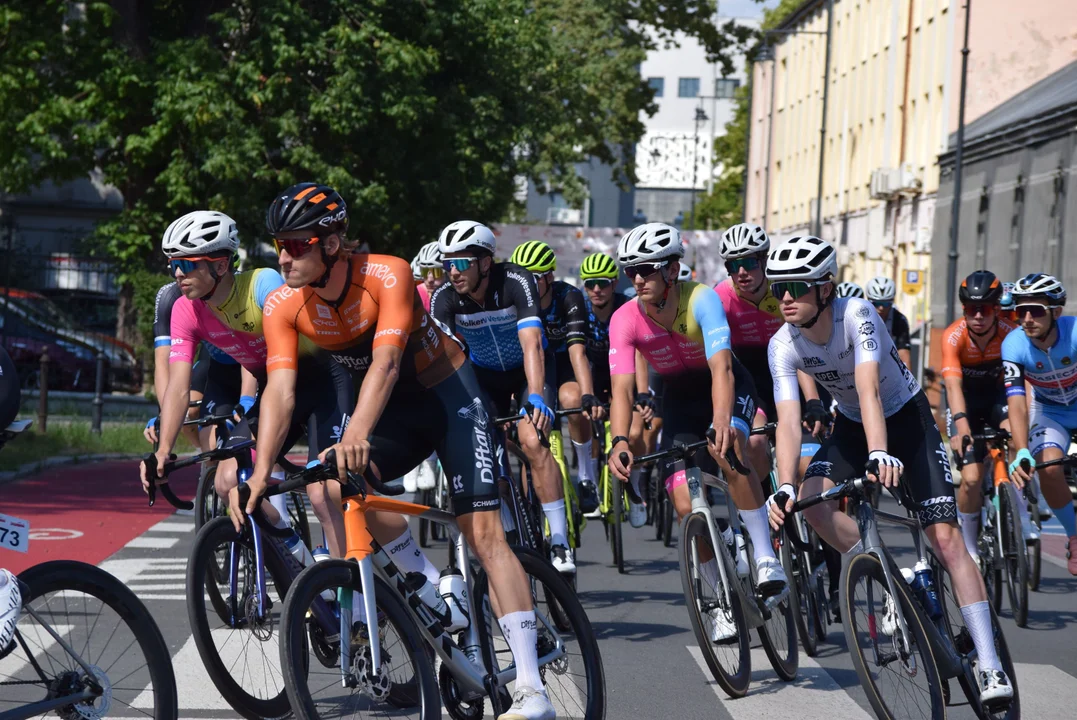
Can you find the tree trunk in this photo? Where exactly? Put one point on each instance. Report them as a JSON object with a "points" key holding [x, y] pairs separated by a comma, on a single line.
{"points": [[127, 317]]}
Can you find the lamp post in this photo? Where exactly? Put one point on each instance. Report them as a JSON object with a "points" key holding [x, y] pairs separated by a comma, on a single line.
{"points": [[700, 117], [955, 212]]}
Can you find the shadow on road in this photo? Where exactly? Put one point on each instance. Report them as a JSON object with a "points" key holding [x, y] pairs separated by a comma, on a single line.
{"points": [[600, 599], [636, 631]]}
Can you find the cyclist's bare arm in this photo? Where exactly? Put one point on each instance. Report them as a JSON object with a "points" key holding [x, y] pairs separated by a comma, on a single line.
{"points": [[534, 369], [248, 384], [374, 395], [577, 355], [160, 371], [955, 398], [274, 419], [871, 412], [621, 387], [174, 404], [807, 386]]}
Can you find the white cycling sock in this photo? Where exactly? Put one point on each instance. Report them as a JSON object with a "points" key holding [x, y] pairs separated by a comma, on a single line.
{"points": [[555, 515], [978, 620], [408, 557], [970, 528], [521, 633], [759, 531], [584, 460], [280, 502]]}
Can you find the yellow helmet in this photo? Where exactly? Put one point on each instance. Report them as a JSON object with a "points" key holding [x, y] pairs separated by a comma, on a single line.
{"points": [[598, 265], [534, 255]]}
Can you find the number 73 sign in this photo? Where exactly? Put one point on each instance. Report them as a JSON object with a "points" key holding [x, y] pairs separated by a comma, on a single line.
{"points": [[14, 533]]}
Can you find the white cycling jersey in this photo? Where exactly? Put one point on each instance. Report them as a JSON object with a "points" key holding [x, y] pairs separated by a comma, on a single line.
{"points": [[859, 335]]}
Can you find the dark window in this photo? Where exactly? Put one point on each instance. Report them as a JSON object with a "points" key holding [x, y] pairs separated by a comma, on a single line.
{"points": [[658, 85], [726, 88], [688, 87]]}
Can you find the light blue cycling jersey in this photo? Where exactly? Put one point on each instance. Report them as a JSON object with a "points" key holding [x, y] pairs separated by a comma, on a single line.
{"points": [[1052, 373]]}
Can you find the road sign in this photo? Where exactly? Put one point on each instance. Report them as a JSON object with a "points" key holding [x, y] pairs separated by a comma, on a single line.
{"points": [[914, 280]]}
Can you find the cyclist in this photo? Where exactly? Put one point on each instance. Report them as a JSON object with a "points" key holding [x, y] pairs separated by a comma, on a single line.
{"points": [[976, 400], [881, 291], [883, 417], [564, 324], [685, 273], [216, 378], [431, 273], [849, 289], [224, 307], [494, 307], [375, 326], [1044, 355], [681, 330]]}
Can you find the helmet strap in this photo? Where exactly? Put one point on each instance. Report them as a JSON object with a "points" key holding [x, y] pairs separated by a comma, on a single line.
{"points": [[661, 304], [821, 306], [329, 261]]}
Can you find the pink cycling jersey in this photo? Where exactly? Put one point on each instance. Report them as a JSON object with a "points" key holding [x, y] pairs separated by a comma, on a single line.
{"points": [[193, 322], [424, 295], [751, 326]]}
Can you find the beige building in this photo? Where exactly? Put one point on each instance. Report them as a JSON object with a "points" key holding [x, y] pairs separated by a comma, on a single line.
{"points": [[892, 108]]}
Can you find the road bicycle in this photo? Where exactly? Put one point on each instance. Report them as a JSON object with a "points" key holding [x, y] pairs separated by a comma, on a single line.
{"points": [[334, 667], [716, 597], [612, 500], [907, 649], [1004, 554], [437, 496], [84, 645]]}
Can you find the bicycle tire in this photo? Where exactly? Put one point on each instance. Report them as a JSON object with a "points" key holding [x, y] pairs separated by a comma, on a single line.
{"points": [[216, 532], [207, 504], [1035, 564], [616, 528], [735, 683], [954, 625], [297, 512], [868, 566], [555, 590], [61, 575], [1015, 554], [991, 559], [805, 616], [295, 662], [782, 621], [667, 521]]}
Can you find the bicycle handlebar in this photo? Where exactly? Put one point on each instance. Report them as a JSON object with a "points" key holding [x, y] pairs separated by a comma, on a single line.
{"points": [[150, 461], [683, 450]]}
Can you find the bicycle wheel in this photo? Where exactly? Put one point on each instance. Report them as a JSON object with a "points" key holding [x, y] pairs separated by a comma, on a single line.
{"points": [[1015, 554], [575, 680], [112, 632], [310, 653], [778, 633], [729, 660], [991, 558], [801, 585], [954, 624], [617, 516], [207, 504], [247, 646], [898, 684]]}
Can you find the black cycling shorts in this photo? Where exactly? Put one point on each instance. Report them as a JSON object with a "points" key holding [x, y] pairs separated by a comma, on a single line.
{"points": [[501, 387], [914, 439], [220, 384], [563, 372], [985, 410], [687, 413], [452, 420]]}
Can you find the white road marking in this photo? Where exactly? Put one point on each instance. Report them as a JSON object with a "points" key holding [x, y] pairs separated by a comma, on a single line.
{"points": [[153, 543], [1047, 692], [171, 526]]}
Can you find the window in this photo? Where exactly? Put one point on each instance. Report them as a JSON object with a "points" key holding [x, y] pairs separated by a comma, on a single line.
{"points": [[726, 88], [658, 85], [688, 87]]}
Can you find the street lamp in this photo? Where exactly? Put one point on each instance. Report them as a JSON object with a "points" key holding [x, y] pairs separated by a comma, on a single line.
{"points": [[700, 118]]}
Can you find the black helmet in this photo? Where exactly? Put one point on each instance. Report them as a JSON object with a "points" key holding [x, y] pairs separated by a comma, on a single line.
{"points": [[981, 287], [307, 206]]}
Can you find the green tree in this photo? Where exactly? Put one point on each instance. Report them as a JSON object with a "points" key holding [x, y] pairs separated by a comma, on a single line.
{"points": [[419, 113]]}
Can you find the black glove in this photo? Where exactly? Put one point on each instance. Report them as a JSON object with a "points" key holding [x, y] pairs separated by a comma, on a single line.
{"points": [[644, 400], [815, 411], [588, 403]]}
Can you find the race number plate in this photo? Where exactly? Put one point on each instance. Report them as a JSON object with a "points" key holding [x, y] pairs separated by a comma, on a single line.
{"points": [[14, 534]]}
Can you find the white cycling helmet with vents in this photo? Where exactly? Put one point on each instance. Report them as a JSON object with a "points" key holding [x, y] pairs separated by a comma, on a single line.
{"points": [[201, 232], [849, 289], [465, 235], [1036, 285], [881, 289], [742, 240], [652, 242], [685, 273], [429, 256], [805, 257], [416, 271]]}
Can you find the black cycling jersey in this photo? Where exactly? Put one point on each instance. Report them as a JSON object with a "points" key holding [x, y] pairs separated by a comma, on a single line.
{"points": [[898, 327], [491, 330], [598, 346], [162, 324], [565, 321]]}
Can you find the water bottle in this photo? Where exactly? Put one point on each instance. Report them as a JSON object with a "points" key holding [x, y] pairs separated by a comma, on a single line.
{"points": [[418, 584], [298, 549], [320, 553], [453, 591], [925, 586]]}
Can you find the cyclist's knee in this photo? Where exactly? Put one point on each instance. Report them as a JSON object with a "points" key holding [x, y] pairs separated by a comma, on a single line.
{"points": [[484, 536], [947, 541], [569, 395], [225, 478]]}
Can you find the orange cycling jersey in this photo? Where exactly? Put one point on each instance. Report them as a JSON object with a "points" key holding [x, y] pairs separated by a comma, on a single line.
{"points": [[380, 306], [963, 358]]}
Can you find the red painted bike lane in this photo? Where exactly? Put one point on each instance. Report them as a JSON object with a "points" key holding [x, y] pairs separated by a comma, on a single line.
{"points": [[85, 512]]}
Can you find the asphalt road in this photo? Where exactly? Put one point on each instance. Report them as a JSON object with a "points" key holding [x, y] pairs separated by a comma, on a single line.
{"points": [[652, 663]]}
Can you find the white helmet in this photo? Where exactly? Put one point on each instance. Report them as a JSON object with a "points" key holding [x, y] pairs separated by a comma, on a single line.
{"points": [[1040, 285], [743, 239], [685, 273], [849, 289], [199, 233], [881, 289], [652, 242], [429, 256], [802, 258], [464, 235], [416, 270]]}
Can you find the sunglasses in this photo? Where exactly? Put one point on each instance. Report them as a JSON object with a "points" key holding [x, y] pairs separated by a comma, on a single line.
{"points": [[185, 265], [296, 247], [979, 309], [745, 263], [436, 272], [597, 283], [883, 303], [644, 270], [1036, 310], [540, 276], [795, 288], [460, 264]]}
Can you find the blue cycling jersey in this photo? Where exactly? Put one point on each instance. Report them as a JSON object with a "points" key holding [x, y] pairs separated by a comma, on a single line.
{"points": [[491, 330], [1051, 373]]}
